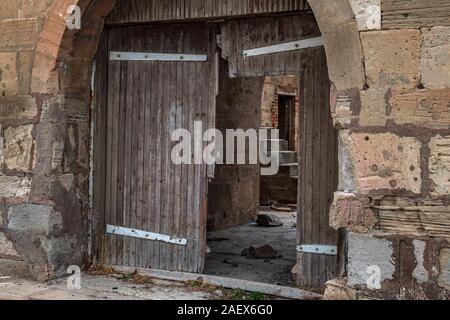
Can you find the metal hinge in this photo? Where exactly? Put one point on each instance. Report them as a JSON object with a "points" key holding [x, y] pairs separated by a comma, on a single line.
{"points": [[147, 56], [144, 235], [283, 47], [318, 249]]}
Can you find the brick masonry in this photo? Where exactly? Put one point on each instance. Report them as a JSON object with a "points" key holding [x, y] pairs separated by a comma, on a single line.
{"points": [[390, 102]]}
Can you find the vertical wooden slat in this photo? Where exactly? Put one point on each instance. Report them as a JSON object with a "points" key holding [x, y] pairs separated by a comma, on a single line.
{"points": [[140, 153], [147, 163], [121, 152], [178, 175], [172, 107], [100, 120], [153, 141]]}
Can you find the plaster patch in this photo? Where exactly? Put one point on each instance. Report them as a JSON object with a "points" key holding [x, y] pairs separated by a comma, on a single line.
{"points": [[420, 272], [366, 252], [367, 14]]}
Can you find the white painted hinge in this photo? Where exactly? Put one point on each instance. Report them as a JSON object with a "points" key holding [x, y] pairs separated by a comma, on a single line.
{"points": [[144, 235], [147, 56], [284, 47], [318, 249]]}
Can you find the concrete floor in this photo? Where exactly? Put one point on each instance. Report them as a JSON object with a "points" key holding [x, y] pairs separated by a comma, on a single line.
{"points": [[104, 288], [282, 239]]}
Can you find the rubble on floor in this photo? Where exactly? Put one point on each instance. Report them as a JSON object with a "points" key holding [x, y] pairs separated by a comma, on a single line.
{"points": [[227, 245], [263, 252]]}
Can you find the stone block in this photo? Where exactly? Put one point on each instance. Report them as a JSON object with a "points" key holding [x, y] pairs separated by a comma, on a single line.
{"points": [[367, 14], [9, 9], [346, 69], [2, 146], [7, 248], [18, 147], [34, 219], [425, 108], [435, 58], [373, 108], [332, 13], [392, 58], [14, 187], [366, 252], [420, 273], [337, 290], [439, 164], [18, 35], [352, 212], [8, 74], [382, 161], [25, 61], [34, 8], [18, 107], [14, 268], [444, 268]]}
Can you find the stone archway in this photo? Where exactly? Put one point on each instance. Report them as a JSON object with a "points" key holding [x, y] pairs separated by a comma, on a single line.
{"points": [[61, 76]]}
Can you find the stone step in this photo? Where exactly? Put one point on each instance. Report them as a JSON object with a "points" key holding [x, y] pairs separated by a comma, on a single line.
{"points": [[283, 145], [287, 157], [290, 169]]}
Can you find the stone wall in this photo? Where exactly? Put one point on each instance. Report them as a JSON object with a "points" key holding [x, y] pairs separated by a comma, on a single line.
{"points": [[233, 197], [390, 102], [390, 98], [273, 87], [44, 136]]}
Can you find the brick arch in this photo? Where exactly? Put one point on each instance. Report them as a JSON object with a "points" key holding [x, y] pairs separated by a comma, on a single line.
{"points": [[63, 57], [339, 29]]}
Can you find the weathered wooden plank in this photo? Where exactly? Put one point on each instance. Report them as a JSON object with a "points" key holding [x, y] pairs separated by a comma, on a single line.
{"points": [[100, 120], [141, 88], [250, 286], [134, 11], [253, 36], [402, 14], [318, 171], [121, 153]]}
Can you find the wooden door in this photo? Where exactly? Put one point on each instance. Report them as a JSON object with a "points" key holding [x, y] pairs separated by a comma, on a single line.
{"points": [[318, 175], [153, 212]]}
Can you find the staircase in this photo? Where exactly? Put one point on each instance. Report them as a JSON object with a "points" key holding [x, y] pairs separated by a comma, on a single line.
{"points": [[288, 159], [283, 186]]}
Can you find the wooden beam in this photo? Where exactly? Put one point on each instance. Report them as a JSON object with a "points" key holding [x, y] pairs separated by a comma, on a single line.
{"points": [[249, 286], [284, 47]]}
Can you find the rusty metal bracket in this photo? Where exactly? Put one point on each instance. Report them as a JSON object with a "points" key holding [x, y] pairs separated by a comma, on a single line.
{"points": [[318, 249], [147, 56], [284, 47], [144, 235]]}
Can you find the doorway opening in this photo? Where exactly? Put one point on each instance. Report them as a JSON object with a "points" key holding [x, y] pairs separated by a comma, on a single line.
{"points": [[251, 217], [158, 214]]}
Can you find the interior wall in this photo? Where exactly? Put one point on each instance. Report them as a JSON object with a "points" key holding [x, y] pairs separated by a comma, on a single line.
{"points": [[234, 193], [274, 86]]}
